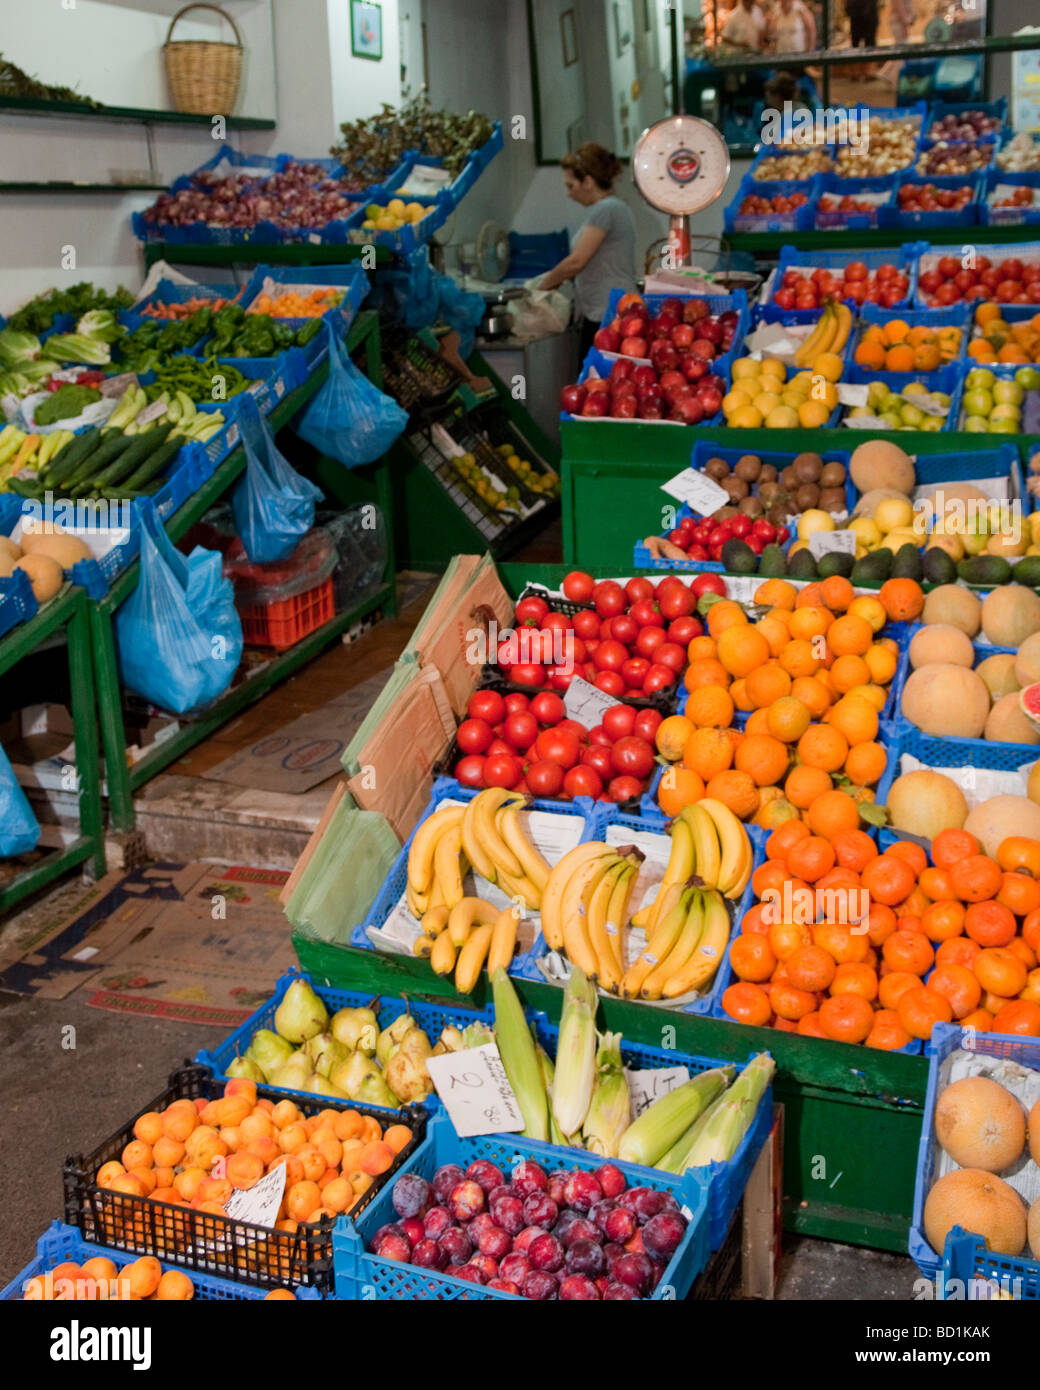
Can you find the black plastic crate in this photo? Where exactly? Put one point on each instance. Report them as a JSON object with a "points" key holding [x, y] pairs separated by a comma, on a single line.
{"points": [[721, 1279], [204, 1241]]}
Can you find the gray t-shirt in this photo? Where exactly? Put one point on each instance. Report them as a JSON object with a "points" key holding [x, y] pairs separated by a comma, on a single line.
{"points": [[613, 265]]}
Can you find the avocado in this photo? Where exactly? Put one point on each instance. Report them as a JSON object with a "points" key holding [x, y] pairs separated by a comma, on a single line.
{"points": [[907, 563], [738, 557], [985, 571], [802, 565], [939, 567], [874, 568], [772, 563], [1027, 571], [834, 562]]}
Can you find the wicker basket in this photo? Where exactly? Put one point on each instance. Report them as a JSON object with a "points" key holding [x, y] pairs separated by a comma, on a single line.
{"points": [[203, 76]]}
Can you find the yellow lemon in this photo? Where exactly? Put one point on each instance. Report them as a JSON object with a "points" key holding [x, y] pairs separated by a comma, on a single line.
{"points": [[894, 514]]}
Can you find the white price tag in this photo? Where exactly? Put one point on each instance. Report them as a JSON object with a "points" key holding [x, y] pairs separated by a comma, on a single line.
{"points": [[701, 493], [116, 385], [585, 703], [260, 1204], [279, 387], [476, 1092], [850, 394], [832, 542], [155, 411], [867, 422], [314, 238], [644, 1087], [929, 405]]}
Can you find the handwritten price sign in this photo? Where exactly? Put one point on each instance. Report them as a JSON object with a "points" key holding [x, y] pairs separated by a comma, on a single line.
{"points": [[476, 1092]]}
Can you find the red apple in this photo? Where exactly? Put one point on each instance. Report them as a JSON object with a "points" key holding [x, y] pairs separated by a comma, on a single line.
{"points": [[572, 398], [633, 347], [606, 340]]}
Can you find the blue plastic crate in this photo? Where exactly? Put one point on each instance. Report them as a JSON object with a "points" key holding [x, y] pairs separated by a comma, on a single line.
{"points": [[393, 889], [706, 449], [939, 109], [349, 278], [717, 304], [996, 461], [969, 1271], [956, 316], [1003, 371], [948, 379], [60, 1243], [407, 238], [360, 1275], [991, 216], [17, 601], [772, 152], [602, 362], [929, 257], [791, 258], [834, 186], [908, 220], [797, 220], [946, 1039]]}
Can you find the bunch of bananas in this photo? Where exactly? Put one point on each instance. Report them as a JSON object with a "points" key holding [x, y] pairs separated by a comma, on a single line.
{"points": [[486, 835], [585, 908], [830, 334]]}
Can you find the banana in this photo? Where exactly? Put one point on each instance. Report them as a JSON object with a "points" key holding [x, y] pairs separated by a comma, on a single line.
{"points": [[681, 865], [844, 327], [476, 852], [706, 846], [736, 847], [608, 973], [814, 343], [436, 896], [655, 951], [446, 867], [486, 806], [418, 903], [706, 959], [442, 956], [521, 888], [472, 957], [467, 914], [434, 920], [641, 919], [422, 947], [420, 856], [503, 939], [531, 859], [685, 945], [559, 877], [617, 912], [574, 910]]}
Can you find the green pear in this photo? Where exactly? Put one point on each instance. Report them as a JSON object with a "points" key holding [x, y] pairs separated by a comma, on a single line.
{"points": [[375, 1091], [324, 1052], [357, 1029], [390, 1037], [450, 1040], [322, 1086], [268, 1051], [407, 1076], [292, 1075], [245, 1066], [301, 1014], [350, 1075]]}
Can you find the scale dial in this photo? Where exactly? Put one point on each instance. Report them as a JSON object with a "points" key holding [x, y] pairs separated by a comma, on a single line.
{"points": [[680, 165]]}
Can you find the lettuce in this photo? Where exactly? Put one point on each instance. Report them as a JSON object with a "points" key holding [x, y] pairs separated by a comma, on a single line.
{"points": [[78, 347], [100, 324], [18, 347]]}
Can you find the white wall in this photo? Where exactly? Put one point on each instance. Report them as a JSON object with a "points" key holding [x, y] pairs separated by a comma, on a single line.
{"points": [[360, 86]]}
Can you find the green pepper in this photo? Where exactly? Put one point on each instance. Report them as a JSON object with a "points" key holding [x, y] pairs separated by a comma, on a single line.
{"points": [[284, 334], [308, 331]]}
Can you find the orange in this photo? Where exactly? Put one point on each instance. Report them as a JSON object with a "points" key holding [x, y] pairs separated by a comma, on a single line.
{"points": [[846, 1018], [950, 846], [920, 1009], [1031, 931], [893, 986], [976, 878], [957, 950], [1016, 854], [870, 355], [908, 950], [774, 631], [790, 1003], [888, 879], [782, 841], [903, 599], [935, 883], [987, 313], [811, 596], [753, 921], [804, 784], [990, 924], [752, 958], [943, 920], [739, 696], [678, 788], [701, 648], [810, 968], [736, 790], [1018, 892], [855, 718], [785, 938], [811, 858], [848, 672], [747, 1003], [852, 978], [899, 359], [710, 707], [881, 923], [809, 1026], [847, 945], [1021, 1016], [812, 693], [881, 663], [707, 752], [1000, 972], [705, 672], [672, 734], [838, 593], [766, 685], [887, 1032], [799, 659], [810, 622], [742, 649], [850, 635], [776, 593], [758, 722], [866, 763], [724, 614], [981, 1020], [763, 758], [959, 986], [1018, 947], [832, 813], [911, 852], [787, 718], [895, 331], [926, 358], [853, 849], [824, 747]]}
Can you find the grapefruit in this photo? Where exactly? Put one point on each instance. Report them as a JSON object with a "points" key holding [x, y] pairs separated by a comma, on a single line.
{"points": [[980, 1124], [979, 1202]]}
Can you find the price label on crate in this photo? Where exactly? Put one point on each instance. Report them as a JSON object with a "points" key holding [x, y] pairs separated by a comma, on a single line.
{"points": [[644, 1087], [832, 543], [928, 404], [585, 703], [701, 493], [476, 1092], [260, 1203], [279, 387], [849, 393]]}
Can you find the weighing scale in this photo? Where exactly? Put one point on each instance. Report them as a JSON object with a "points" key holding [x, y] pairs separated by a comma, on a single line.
{"points": [[680, 166]]}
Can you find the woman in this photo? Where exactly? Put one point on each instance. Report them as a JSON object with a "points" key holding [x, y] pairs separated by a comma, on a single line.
{"points": [[603, 255], [794, 28]]}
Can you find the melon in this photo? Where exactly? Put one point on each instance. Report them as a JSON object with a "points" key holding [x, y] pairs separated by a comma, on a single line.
{"points": [[45, 575], [880, 463], [980, 1124], [870, 501], [963, 500], [1034, 1133], [924, 802], [10, 548], [955, 605], [979, 1202], [997, 819], [998, 672], [7, 564], [941, 643], [1029, 704], [1007, 723], [1027, 661], [1010, 614], [1033, 793], [948, 701], [1033, 1229], [66, 550]]}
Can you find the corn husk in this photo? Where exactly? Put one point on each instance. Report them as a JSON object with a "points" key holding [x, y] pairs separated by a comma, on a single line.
{"points": [[517, 1050], [575, 1054], [611, 1110], [660, 1127], [556, 1134]]}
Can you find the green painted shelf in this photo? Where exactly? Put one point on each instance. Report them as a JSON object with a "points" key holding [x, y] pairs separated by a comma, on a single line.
{"points": [[31, 106], [64, 187], [252, 253], [874, 238]]}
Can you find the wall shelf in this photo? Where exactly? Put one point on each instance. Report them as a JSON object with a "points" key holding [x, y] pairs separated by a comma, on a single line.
{"points": [[65, 187], [31, 106]]}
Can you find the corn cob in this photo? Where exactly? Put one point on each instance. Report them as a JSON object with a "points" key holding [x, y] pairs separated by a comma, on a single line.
{"points": [[611, 1110], [519, 1058], [662, 1124], [575, 1054], [556, 1134]]}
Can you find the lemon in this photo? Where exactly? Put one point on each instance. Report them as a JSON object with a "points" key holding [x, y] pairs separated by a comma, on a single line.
{"points": [[812, 415], [814, 520], [733, 400], [866, 531], [765, 401], [771, 367], [828, 364], [396, 206], [781, 417], [745, 367], [893, 514], [746, 418]]}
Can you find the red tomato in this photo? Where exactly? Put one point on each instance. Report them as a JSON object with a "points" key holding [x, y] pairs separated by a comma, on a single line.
{"points": [[856, 270], [486, 704], [578, 730], [598, 757], [658, 678], [684, 630], [680, 601], [624, 789], [648, 721], [470, 771], [610, 656], [709, 584], [670, 654], [609, 598], [576, 650], [583, 781], [475, 735], [531, 612], [598, 737], [560, 677], [648, 641], [502, 770], [948, 267], [624, 628], [557, 746], [544, 778], [1012, 268], [521, 730], [557, 622], [634, 671], [636, 590], [610, 683], [578, 586], [632, 757], [586, 625], [500, 745], [648, 614], [516, 702], [528, 673], [547, 708], [618, 721]]}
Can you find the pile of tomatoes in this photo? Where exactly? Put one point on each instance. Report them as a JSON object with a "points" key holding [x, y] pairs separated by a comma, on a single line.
{"points": [[888, 286], [703, 539], [927, 197], [528, 744], [754, 205], [1010, 281]]}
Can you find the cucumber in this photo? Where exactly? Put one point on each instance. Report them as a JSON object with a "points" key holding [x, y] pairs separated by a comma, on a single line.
{"points": [[64, 464], [141, 447], [24, 488], [99, 458], [153, 465]]}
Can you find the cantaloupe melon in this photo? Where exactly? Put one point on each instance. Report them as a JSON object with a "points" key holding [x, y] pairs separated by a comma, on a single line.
{"points": [[1010, 614], [948, 701], [1000, 817], [7, 564], [45, 575], [880, 463], [980, 1124], [10, 548], [1007, 723], [1033, 793], [999, 674], [1027, 661], [63, 548], [957, 500], [1033, 1229], [924, 802], [953, 604], [979, 1202], [941, 644], [1034, 1133]]}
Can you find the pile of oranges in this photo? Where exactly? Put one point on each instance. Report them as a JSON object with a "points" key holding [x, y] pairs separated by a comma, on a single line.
{"points": [[813, 677], [897, 945], [1000, 341], [895, 346]]}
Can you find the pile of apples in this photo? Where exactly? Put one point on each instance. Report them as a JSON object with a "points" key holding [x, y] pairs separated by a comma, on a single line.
{"points": [[1009, 281], [680, 328], [808, 289], [927, 198], [687, 394]]}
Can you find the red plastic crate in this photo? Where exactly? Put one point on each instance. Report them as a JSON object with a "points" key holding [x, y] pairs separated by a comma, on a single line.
{"points": [[282, 624]]}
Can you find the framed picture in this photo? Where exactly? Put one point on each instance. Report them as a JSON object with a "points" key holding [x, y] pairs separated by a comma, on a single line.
{"points": [[569, 38], [366, 29]]}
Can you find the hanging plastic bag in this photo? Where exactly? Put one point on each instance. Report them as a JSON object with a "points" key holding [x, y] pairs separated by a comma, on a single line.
{"points": [[273, 505], [540, 312], [19, 828], [179, 634], [350, 419]]}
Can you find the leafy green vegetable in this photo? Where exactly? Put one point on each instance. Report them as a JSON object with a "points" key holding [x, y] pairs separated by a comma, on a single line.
{"points": [[65, 404], [41, 312], [100, 324], [77, 347], [18, 347]]}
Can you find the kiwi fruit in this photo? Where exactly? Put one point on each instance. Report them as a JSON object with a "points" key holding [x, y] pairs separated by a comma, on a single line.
{"points": [[808, 468], [735, 488], [789, 479], [750, 506], [807, 496], [748, 468], [724, 513], [769, 492], [833, 475], [778, 514], [767, 473], [717, 468], [832, 499]]}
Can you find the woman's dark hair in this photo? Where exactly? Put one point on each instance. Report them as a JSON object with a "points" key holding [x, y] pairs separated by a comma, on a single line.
{"points": [[593, 161]]}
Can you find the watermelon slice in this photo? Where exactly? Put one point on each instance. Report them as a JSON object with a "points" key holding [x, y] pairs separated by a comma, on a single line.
{"points": [[1029, 702]]}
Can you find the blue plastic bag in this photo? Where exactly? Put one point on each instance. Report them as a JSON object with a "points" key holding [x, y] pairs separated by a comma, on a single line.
{"points": [[273, 505], [179, 634], [350, 419], [19, 828]]}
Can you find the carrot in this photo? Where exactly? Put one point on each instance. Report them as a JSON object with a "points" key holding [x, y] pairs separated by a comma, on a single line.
{"points": [[25, 453]]}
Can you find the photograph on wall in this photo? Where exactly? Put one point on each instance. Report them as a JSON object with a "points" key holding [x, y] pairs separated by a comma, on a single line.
{"points": [[366, 29]]}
